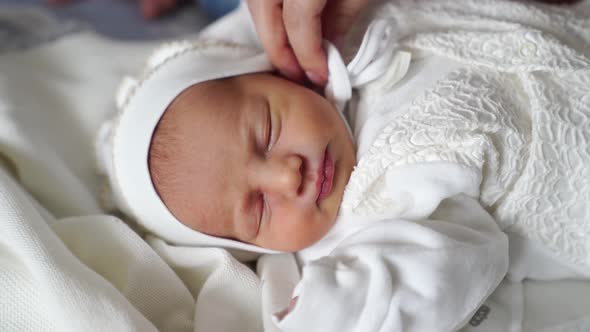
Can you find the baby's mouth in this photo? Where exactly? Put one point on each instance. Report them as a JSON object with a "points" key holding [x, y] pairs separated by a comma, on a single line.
{"points": [[325, 177]]}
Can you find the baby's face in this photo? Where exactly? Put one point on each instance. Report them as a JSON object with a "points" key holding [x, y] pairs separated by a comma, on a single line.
{"points": [[258, 159]]}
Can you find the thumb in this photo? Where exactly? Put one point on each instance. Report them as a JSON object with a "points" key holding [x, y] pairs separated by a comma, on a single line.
{"points": [[304, 29]]}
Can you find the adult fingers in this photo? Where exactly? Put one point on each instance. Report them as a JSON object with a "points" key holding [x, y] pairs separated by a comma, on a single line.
{"points": [[303, 24], [339, 15], [268, 19]]}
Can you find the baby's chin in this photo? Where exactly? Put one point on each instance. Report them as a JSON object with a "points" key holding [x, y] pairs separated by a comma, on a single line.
{"points": [[308, 234], [291, 246]]}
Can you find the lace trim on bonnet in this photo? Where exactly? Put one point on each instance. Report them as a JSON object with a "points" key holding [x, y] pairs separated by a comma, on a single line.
{"points": [[161, 56]]}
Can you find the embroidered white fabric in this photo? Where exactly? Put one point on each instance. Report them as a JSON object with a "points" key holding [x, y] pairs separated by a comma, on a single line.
{"points": [[519, 112]]}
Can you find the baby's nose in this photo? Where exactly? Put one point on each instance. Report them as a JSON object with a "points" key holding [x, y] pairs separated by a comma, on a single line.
{"points": [[285, 176]]}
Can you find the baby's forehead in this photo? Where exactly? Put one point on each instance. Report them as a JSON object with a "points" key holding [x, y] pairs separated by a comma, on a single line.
{"points": [[217, 90], [223, 91], [205, 126], [198, 178], [206, 105], [204, 123]]}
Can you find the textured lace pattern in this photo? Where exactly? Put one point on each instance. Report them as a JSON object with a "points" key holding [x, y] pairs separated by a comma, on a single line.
{"points": [[415, 16], [551, 200], [511, 51], [519, 112], [468, 118]]}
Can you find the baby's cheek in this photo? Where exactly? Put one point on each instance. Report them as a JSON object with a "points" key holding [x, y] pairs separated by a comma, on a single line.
{"points": [[247, 229], [285, 234], [312, 228]]}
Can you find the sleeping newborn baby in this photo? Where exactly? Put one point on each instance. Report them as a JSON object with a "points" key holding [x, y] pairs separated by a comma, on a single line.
{"points": [[275, 156], [392, 185]]}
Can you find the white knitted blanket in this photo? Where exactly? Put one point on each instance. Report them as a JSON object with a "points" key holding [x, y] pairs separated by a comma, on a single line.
{"points": [[64, 264]]}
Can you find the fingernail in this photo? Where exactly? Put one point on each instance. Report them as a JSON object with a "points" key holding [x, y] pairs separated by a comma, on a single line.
{"points": [[315, 78], [292, 70]]}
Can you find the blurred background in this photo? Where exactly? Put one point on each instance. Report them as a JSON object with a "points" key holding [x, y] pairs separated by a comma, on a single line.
{"points": [[122, 19]]}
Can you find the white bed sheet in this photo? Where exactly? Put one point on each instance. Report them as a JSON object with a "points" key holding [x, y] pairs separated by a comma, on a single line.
{"points": [[64, 264]]}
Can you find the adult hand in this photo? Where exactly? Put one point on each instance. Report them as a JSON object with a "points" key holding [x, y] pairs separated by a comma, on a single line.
{"points": [[291, 32]]}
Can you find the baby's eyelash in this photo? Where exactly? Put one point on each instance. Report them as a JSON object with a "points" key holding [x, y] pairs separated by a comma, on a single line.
{"points": [[270, 128], [268, 137]]}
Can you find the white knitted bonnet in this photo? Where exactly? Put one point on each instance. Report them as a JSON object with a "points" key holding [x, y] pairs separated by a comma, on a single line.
{"points": [[141, 103]]}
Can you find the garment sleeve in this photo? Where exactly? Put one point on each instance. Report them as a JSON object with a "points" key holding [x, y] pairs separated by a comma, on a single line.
{"points": [[399, 275]]}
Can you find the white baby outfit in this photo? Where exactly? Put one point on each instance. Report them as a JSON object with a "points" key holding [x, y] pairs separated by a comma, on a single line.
{"points": [[496, 110], [492, 114]]}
